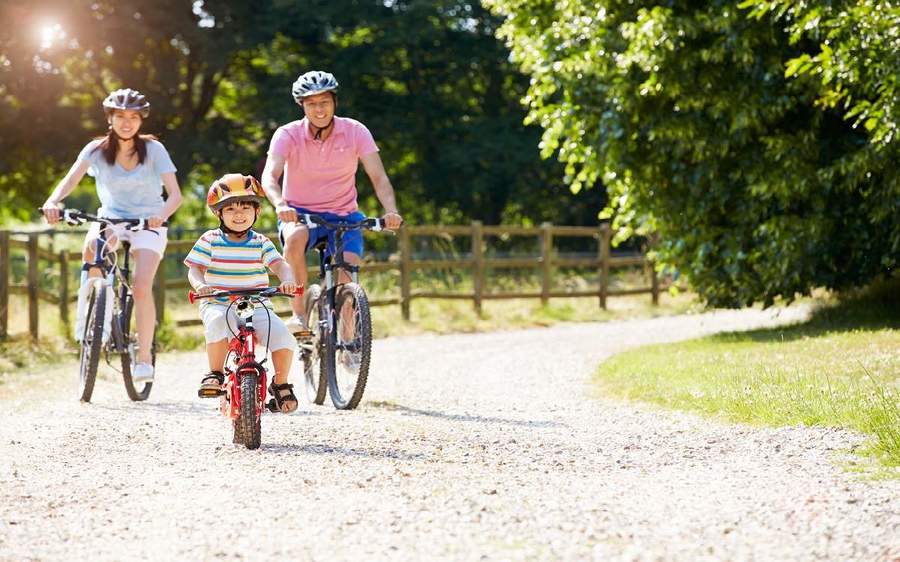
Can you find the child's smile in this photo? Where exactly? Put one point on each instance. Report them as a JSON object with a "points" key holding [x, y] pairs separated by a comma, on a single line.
{"points": [[239, 216]]}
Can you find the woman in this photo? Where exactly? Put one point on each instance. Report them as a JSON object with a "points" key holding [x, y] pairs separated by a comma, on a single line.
{"points": [[130, 170]]}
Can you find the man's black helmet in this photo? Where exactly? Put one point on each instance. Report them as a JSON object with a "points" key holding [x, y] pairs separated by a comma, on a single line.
{"points": [[312, 83], [126, 98]]}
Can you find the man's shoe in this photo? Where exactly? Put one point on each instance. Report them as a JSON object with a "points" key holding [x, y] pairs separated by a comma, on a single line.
{"points": [[142, 373], [296, 323], [297, 326]]}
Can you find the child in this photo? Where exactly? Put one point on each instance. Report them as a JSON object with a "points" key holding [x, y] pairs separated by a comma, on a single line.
{"points": [[233, 256]]}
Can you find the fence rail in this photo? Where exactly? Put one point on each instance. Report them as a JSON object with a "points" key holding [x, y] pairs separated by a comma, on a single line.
{"points": [[405, 264]]}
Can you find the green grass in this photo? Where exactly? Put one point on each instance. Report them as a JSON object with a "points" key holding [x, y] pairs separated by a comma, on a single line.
{"points": [[839, 369]]}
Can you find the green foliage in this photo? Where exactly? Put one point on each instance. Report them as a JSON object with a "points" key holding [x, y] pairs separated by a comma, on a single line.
{"points": [[707, 127], [430, 80]]}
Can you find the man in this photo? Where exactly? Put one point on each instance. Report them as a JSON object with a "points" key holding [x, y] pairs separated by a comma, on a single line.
{"points": [[319, 156]]}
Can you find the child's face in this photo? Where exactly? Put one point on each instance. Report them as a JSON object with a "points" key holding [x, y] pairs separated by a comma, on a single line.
{"points": [[239, 216]]}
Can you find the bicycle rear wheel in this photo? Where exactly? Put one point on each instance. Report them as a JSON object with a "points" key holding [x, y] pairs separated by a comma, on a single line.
{"points": [[247, 428], [92, 340], [130, 354], [349, 347], [311, 356]]}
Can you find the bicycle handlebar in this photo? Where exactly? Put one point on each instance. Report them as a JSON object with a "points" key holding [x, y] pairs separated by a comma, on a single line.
{"points": [[75, 217], [312, 221], [258, 292]]}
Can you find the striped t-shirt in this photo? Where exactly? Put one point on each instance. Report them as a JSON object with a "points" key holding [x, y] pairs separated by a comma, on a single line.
{"points": [[234, 265]]}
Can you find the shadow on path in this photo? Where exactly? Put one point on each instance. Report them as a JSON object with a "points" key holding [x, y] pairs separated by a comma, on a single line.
{"points": [[390, 406], [322, 449]]}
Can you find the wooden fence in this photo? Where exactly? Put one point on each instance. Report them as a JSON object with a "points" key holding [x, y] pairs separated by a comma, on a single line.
{"points": [[405, 264]]}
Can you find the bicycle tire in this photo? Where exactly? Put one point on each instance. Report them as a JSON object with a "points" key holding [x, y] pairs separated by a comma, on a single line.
{"points": [[129, 353], [314, 369], [347, 375], [248, 429], [91, 340]]}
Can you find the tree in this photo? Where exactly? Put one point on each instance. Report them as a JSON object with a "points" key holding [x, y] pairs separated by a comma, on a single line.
{"points": [[429, 78], [175, 54], [685, 112], [439, 93]]}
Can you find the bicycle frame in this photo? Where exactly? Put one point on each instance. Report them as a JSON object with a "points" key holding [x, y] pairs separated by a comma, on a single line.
{"points": [[329, 265], [243, 348], [111, 271]]}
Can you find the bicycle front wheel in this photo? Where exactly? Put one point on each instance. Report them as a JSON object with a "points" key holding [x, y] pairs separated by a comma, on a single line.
{"points": [[311, 353], [130, 354], [247, 428], [349, 347], [92, 340]]}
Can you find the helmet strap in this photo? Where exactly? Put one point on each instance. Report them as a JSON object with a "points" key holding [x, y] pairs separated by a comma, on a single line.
{"points": [[319, 130]]}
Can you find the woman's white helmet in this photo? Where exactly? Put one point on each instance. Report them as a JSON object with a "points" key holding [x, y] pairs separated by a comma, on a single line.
{"points": [[126, 98], [312, 83]]}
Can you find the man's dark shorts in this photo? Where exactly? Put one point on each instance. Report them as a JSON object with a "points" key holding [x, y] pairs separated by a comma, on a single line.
{"points": [[353, 239]]}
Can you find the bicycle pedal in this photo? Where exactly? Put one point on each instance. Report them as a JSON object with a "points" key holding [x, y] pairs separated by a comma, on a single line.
{"points": [[210, 393], [303, 334]]}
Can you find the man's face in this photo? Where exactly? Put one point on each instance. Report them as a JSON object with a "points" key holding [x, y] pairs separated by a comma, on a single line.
{"points": [[319, 109]]}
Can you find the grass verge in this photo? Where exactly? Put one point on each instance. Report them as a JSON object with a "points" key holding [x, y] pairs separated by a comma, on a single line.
{"points": [[839, 369]]}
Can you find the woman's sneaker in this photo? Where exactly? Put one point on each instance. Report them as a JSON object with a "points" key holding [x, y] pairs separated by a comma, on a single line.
{"points": [[142, 372]]}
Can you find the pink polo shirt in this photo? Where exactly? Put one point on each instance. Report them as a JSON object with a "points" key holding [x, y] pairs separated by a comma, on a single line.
{"points": [[321, 175]]}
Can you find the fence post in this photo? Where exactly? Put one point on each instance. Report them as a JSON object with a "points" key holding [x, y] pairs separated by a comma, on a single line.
{"points": [[159, 291], [605, 236], [64, 287], [654, 278], [546, 261], [4, 284], [405, 271], [33, 285], [478, 265]]}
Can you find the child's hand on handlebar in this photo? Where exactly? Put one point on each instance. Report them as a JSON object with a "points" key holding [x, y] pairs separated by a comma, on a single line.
{"points": [[155, 221], [204, 290], [288, 287]]}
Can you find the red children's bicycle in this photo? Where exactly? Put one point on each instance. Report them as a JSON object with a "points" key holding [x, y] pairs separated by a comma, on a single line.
{"points": [[243, 395]]}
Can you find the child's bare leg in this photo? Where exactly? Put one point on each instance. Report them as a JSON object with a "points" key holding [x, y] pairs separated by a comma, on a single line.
{"points": [[216, 353], [281, 361]]}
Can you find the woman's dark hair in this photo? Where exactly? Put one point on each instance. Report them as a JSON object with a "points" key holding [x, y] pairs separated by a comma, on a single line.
{"points": [[110, 146]]}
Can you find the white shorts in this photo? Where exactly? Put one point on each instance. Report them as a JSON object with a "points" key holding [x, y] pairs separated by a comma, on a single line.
{"points": [[213, 316], [154, 239]]}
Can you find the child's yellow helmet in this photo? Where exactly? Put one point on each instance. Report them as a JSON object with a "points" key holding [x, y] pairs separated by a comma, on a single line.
{"points": [[232, 188]]}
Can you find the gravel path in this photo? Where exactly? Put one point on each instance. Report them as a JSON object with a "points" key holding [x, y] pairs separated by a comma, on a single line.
{"points": [[466, 447]]}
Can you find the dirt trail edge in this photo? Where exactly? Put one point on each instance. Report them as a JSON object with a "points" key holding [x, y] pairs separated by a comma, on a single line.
{"points": [[466, 447]]}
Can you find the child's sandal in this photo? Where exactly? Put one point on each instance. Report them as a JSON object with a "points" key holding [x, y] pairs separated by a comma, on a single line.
{"points": [[284, 397], [211, 385]]}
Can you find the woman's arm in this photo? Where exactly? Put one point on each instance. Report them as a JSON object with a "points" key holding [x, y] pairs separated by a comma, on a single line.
{"points": [[173, 201], [63, 189]]}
